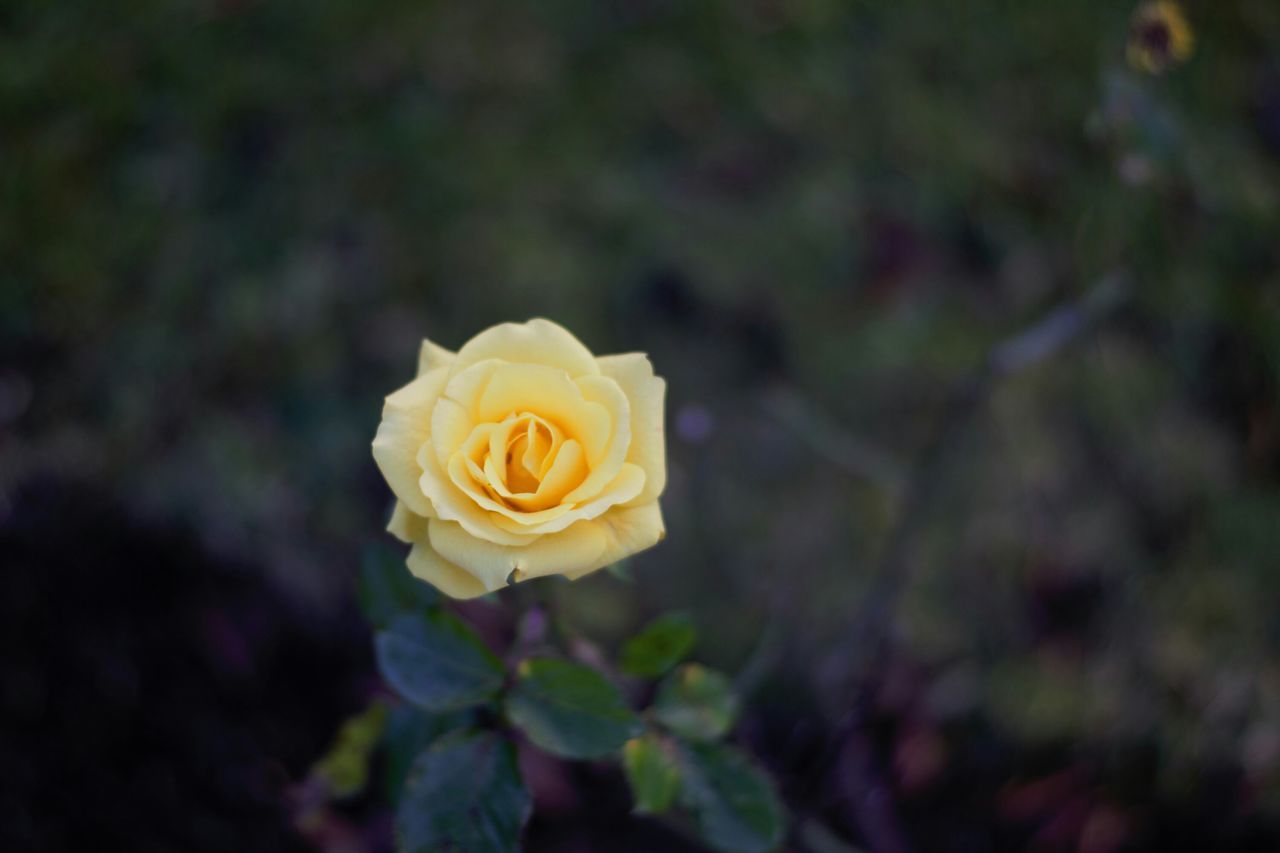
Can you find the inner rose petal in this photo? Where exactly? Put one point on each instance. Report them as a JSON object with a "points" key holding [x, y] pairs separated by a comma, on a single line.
{"points": [[567, 470], [469, 477], [551, 394], [540, 446], [519, 478], [521, 449], [501, 438], [539, 443]]}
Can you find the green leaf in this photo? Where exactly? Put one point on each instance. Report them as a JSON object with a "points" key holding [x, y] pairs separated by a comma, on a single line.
{"points": [[464, 793], [409, 731], [435, 661], [696, 703], [345, 767], [652, 772], [386, 587], [570, 710], [736, 805], [660, 646]]}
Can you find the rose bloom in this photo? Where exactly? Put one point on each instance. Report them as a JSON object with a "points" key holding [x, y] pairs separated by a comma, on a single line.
{"points": [[523, 455]]}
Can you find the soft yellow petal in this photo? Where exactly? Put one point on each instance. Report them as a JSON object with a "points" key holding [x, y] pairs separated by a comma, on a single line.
{"points": [[551, 394], [501, 438], [515, 475], [573, 550], [452, 580], [542, 440], [406, 525], [431, 356], [468, 385], [472, 483], [626, 531], [405, 427], [538, 341], [453, 418], [496, 480], [453, 504], [646, 392], [567, 471], [476, 447], [625, 486], [605, 393]]}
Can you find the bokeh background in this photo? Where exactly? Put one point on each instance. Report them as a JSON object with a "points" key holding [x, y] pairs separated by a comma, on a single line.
{"points": [[226, 224]]}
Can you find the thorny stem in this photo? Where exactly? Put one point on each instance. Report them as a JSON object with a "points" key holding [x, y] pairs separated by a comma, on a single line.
{"points": [[870, 634]]}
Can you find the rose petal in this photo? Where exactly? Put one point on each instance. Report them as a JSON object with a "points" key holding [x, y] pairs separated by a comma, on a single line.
{"points": [[551, 394], [405, 524], [567, 471], [605, 393], [626, 531], [450, 502], [573, 550], [625, 486], [431, 356], [472, 483], [634, 374], [454, 581], [544, 439], [500, 439], [404, 430], [453, 418], [538, 341]]}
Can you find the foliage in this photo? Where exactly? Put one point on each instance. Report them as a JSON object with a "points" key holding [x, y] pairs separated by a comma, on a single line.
{"points": [[697, 703], [227, 225], [434, 661], [568, 709], [463, 788], [345, 767], [660, 646], [652, 773], [463, 793]]}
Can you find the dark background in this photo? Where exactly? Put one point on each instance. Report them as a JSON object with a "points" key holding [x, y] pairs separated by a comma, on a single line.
{"points": [[226, 225]]}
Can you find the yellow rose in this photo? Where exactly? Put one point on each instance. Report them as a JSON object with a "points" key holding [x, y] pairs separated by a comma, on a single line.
{"points": [[523, 455]]}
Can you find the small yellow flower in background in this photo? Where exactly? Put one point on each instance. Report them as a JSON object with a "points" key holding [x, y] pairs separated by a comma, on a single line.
{"points": [[523, 455], [1159, 37]]}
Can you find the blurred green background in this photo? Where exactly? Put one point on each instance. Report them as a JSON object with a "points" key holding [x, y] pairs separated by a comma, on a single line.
{"points": [[226, 226]]}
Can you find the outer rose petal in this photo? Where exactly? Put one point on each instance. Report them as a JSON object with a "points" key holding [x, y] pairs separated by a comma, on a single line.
{"points": [[605, 394], [634, 374], [405, 427], [538, 341], [406, 525], [572, 550], [432, 355], [453, 418], [452, 580], [626, 531]]}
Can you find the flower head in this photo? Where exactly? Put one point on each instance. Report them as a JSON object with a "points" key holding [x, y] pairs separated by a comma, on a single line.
{"points": [[523, 455], [1159, 37]]}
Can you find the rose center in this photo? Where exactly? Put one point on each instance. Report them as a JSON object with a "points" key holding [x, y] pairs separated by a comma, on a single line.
{"points": [[530, 451]]}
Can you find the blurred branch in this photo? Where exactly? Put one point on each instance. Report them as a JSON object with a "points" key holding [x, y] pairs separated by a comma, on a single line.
{"points": [[832, 442], [1062, 326], [1017, 353], [870, 632]]}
